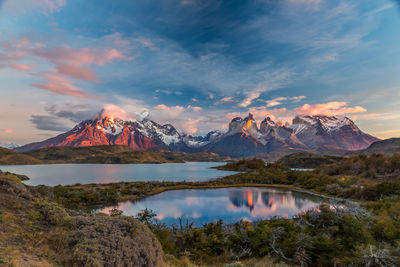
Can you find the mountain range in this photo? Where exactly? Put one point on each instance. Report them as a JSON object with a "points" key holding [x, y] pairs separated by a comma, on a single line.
{"points": [[243, 137]]}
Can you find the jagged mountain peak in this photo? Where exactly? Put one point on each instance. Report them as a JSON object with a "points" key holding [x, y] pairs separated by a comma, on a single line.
{"points": [[243, 137]]}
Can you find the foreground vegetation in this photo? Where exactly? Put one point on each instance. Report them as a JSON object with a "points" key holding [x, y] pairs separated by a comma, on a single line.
{"points": [[363, 232], [340, 233], [39, 232]]}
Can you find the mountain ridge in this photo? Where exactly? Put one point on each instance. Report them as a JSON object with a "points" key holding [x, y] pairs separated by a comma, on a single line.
{"points": [[243, 137]]}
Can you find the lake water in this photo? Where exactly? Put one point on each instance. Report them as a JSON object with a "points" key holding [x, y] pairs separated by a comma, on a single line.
{"points": [[68, 174], [229, 204]]}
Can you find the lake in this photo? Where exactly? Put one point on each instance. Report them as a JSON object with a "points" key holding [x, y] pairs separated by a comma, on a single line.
{"points": [[229, 204], [68, 174]]}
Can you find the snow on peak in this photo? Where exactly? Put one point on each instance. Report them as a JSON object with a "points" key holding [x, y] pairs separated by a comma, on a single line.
{"points": [[328, 123]]}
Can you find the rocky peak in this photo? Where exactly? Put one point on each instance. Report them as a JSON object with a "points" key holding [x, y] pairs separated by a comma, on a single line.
{"points": [[266, 124]]}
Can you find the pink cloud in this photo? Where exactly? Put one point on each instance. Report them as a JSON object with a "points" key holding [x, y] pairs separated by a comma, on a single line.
{"points": [[329, 109], [225, 99], [190, 126], [75, 62], [194, 108], [62, 86], [20, 67], [13, 56], [162, 107], [83, 56], [113, 111], [77, 72]]}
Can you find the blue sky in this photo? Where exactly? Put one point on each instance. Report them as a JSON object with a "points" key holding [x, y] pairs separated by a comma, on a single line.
{"points": [[197, 63]]}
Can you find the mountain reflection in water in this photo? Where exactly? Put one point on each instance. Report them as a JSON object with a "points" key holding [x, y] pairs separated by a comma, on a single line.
{"points": [[228, 204]]}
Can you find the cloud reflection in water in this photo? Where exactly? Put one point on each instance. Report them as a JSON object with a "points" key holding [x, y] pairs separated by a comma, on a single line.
{"points": [[228, 204]]}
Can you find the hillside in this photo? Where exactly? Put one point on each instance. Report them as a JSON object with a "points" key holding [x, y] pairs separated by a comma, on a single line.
{"points": [[115, 155], [307, 160], [387, 147], [36, 231], [8, 156]]}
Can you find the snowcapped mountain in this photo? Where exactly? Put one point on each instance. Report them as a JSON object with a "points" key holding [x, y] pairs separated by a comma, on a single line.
{"points": [[243, 137], [335, 132], [201, 141], [308, 133], [144, 134], [8, 145]]}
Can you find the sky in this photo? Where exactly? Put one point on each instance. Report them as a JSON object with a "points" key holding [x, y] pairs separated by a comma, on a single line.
{"points": [[197, 63]]}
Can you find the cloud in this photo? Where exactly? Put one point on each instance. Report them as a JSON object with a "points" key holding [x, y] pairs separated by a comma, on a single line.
{"points": [[8, 131], [162, 107], [48, 123], [225, 99], [249, 99], [296, 99], [169, 92], [329, 57], [62, 86], [196, 109], [329, 109], [276, 101], [20, 67], [46, 7], [49, 6], [12, 56], [73, 112], [167, 113], [190, 126], [113, 111], [272, 80], [145, 43], [281, 100], [77, 72], [75, 62]]}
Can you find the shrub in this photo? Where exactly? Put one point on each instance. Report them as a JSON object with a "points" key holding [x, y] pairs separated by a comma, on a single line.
{"points": [[53, 214]]}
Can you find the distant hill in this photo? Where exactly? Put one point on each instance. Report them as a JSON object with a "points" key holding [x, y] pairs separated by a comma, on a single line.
{"points": [[278, 154], [8, 156], [387, 147], [115, 155], [307, 160]]}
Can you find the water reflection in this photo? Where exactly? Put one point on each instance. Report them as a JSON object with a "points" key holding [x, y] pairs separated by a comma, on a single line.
{"points": [[228, 204]]}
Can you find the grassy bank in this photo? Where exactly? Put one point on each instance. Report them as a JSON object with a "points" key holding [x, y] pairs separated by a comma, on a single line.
{"points": [[101, 154]]}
